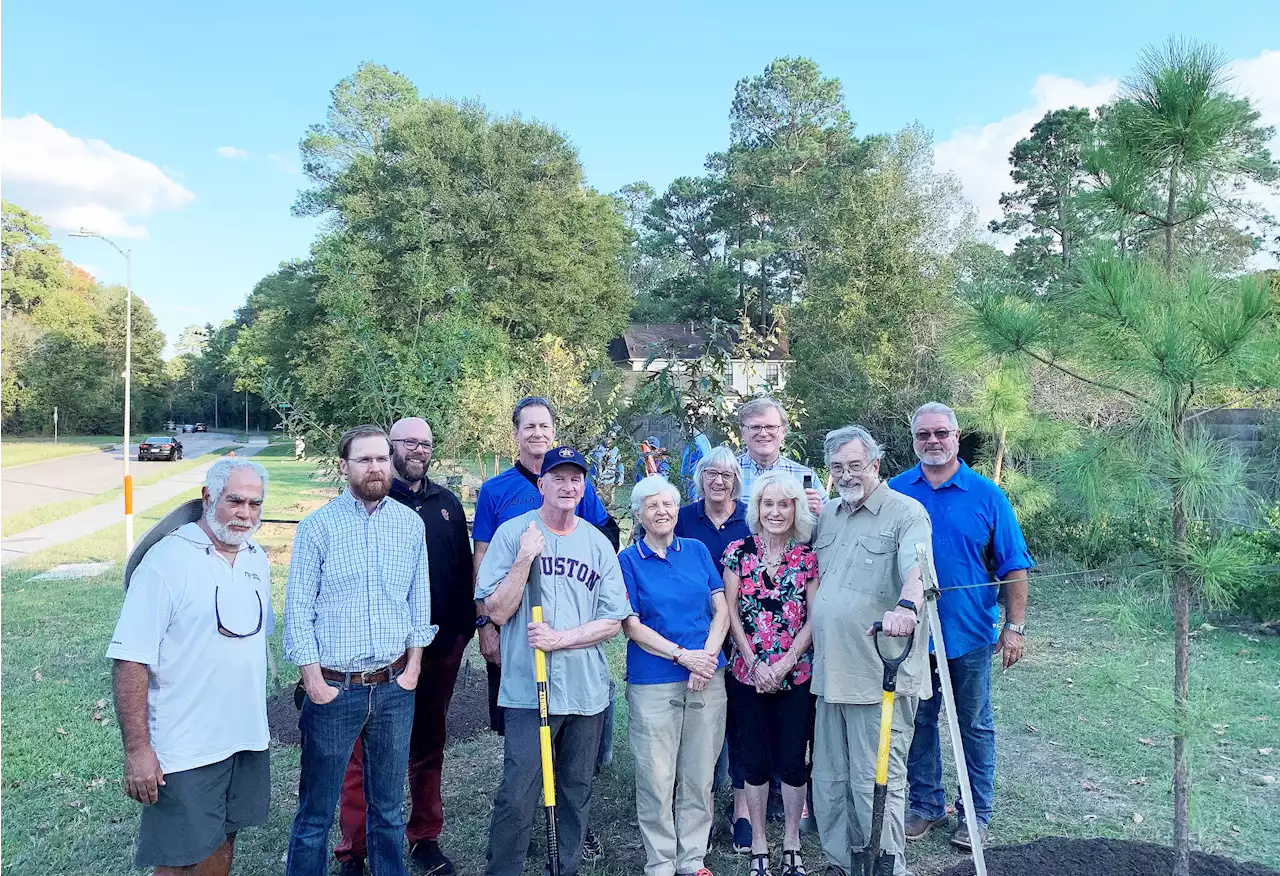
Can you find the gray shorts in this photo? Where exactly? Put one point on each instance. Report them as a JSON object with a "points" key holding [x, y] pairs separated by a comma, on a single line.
{"points": [[197, 808]]}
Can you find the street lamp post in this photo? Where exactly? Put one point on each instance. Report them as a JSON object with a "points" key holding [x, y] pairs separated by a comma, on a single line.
{"points": [[128, 369]]}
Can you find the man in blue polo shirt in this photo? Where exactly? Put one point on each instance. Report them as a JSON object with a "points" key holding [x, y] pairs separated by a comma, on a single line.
{"points": [[507, 496], [976, 539]]}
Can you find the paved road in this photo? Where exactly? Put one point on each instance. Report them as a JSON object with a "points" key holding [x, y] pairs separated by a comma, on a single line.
{"points": [[23, 487], [99, 517]]}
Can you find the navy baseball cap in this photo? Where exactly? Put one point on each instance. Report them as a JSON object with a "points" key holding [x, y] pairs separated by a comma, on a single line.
{"points": [[563, 455]]}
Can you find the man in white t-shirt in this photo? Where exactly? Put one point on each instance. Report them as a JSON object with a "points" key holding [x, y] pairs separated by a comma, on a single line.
{"points": [[190, 679]]}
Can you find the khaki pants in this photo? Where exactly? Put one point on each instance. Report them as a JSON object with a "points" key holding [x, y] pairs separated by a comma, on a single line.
{"points": [[844, 777], [605, 492], [675, 738]]}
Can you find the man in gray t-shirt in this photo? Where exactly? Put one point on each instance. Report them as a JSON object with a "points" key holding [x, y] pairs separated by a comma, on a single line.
{"points": [[583, 603]]}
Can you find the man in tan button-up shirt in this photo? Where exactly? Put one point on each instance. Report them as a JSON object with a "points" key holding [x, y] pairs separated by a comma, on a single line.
{"points": [[866, 555]]}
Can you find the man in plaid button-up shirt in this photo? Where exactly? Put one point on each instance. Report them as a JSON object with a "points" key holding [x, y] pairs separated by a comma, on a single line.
{"points": [[357, 617], [764, 427]]}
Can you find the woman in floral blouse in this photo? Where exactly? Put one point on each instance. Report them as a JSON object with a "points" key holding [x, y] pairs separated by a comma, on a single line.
{"points": [[770, 581]]}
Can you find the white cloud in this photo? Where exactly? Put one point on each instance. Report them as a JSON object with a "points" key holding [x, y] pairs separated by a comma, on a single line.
{"points": [[73, 182], [979, 156], [232, 152]]}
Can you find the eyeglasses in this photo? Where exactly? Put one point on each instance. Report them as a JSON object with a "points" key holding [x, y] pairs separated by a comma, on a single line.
{"points": [[412, 444], [939, 434], [366, 461], [217, 614], [756, 429], [711, 474], [855, 468]]}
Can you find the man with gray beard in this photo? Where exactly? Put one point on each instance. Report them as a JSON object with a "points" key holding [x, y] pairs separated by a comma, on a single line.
{"points": [[190, 680], [870, 572]]}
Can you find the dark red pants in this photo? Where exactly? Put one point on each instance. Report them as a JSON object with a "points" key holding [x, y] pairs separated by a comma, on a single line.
{"points": [[426, 757]]}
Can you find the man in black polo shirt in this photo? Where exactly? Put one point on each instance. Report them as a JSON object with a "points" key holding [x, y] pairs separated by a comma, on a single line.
{"points": [[453, 611]]}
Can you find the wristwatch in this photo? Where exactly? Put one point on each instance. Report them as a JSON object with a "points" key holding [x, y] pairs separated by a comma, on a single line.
{"points": [[675, 655], [909, 605], [1015, 628], [483, 621]]}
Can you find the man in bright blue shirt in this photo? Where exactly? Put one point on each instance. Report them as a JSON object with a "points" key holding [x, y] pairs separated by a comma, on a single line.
{"points": [[976, 539]]}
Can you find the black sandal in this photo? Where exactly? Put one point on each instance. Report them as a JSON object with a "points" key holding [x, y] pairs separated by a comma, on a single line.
{"points": [[792, 863], [760, 865]]}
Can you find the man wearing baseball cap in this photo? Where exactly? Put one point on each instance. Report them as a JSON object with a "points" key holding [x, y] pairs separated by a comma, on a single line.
{"points": [[584, 602]]}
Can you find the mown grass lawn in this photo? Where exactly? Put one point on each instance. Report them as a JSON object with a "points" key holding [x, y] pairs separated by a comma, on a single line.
{"points": [[20, 451], [1083, 723]]}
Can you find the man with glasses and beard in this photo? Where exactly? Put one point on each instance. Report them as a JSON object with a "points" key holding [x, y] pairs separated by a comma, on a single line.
{"points": [[976, 540], [357, 618], [453, 611], [190, 680]]}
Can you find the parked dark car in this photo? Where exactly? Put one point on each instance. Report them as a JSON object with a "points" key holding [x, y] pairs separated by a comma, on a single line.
{"points": [[160, 448], [200, 427]]}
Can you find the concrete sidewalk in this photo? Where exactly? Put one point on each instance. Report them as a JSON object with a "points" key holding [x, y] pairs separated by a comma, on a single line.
{"points": [[99, 517]]}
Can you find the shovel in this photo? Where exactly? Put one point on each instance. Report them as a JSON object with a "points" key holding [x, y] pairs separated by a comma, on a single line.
{"points": [[544, 725], [871, 861]]}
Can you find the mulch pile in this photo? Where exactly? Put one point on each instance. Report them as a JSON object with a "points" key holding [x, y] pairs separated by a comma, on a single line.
{"points": [[1058, 856], [468, 711]]}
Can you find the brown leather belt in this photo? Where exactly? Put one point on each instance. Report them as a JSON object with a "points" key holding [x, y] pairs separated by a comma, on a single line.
{"points": [[373, 676]]}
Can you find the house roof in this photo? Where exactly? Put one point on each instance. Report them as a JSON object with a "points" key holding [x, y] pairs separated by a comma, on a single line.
{"points": [[689, 340]]}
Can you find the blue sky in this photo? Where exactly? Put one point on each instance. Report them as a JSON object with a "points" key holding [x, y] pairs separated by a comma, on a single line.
{"points": [[643, 91]]}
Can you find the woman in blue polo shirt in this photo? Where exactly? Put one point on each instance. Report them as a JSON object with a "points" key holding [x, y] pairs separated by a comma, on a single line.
{"points": [[675, 681]]}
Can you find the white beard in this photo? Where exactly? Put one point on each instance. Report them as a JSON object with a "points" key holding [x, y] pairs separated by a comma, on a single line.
{"points": [[854, 494], [224, 533], [936, 457]]}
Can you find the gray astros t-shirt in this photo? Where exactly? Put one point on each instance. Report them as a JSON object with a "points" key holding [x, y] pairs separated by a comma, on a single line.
{"points": [[581, 582]]}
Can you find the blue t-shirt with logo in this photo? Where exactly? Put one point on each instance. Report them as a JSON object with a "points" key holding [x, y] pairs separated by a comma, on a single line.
{"points": [[976, 538], [508, 495], [671, 596]]}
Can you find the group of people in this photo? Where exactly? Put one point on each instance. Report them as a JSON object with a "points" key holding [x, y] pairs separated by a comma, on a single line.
{"points": [[748, 613]]}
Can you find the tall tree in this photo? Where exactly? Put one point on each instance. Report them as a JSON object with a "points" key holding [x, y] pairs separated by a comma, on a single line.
{"points": [[1048, 167], [1173, 154]]}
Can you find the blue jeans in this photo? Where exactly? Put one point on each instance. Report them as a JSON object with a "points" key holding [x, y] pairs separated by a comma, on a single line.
{"points": [[381, 717], [971, 678]]}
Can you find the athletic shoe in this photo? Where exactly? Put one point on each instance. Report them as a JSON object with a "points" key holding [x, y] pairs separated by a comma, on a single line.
{"points": [[427, 855], [742, 836], [351, 867]]}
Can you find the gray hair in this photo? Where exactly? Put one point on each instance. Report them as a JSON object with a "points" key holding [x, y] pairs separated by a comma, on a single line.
{"points": [[215, 480], [935, 408], [721, 456], [758, 406], [838, 438], [531, 401], [802, 528], [653, 485]]}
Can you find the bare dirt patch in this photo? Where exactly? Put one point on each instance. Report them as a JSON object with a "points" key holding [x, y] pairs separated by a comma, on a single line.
{"points": [[1058, 856]]}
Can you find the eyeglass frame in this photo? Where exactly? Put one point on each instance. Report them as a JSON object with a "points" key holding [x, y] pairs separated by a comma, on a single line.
{"points": [[412, 444], [712, 474], [226, 631], [936, 434], [768, 429], [838, 470]]}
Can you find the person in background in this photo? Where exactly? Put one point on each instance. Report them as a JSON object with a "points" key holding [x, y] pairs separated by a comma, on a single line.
{"points": [[357, 619], [608, 471], [718, 518], [453, 611], [697, 447], [582, 589], [865, 544], [976, 539], [189, 680], [675, 682], [771, 581], [763, 425], [509, 495]]}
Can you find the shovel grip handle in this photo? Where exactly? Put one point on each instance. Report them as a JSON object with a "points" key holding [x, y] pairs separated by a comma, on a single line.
{"points": [[891, 664]]}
